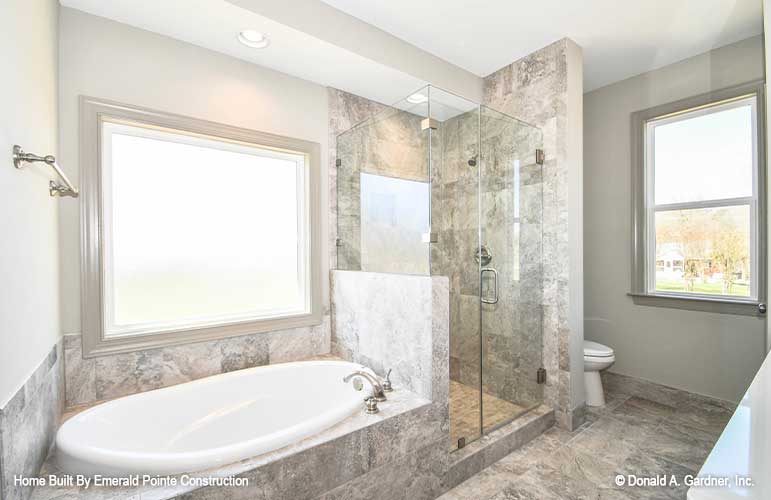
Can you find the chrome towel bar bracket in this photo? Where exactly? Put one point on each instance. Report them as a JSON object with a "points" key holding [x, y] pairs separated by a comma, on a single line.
{"points": [[54, 189]]}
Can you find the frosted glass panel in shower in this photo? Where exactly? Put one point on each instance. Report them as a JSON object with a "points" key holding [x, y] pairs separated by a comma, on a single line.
{"points": [[394, 216]]}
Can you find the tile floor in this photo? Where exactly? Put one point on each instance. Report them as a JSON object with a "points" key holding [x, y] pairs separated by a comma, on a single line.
{"points": [[630, 435], [464, 412]]}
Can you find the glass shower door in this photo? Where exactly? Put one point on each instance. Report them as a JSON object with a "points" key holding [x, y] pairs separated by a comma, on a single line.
{"points": [[510, 260], [455, 221]]}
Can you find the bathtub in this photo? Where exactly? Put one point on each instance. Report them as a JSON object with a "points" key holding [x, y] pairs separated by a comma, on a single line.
{"points": [[209, 422]]}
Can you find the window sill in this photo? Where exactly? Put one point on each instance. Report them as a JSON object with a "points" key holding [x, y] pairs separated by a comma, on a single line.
{"points": [[721, 305]]}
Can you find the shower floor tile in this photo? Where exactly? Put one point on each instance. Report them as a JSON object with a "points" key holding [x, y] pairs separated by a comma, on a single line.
{"points": [[464, 412]]}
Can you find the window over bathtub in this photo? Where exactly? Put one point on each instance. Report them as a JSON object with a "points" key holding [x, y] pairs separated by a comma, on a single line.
{"points": [[699, 202], [193, 230]]}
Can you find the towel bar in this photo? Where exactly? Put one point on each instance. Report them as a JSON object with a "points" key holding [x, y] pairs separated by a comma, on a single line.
{"points": [[54, 189]]}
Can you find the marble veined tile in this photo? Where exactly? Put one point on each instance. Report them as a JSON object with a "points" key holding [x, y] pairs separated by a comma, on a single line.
{"points": [[28, 424], [633, 436], [114, 375]]}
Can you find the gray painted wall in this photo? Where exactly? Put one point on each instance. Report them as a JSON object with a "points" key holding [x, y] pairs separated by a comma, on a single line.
{"points": [[706, 353]]}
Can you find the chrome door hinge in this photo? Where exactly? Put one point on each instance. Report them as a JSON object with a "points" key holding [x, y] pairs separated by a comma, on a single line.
{"points": [[429, 123], [338, 162], [540, 376], [338, 242], [539, 156], [429, 237]]}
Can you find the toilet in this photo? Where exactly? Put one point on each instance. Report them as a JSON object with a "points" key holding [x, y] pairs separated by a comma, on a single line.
{"points": [[596, 357]]}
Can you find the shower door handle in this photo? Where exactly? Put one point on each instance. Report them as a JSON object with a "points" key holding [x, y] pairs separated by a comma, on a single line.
{"points": [[484, 297]]}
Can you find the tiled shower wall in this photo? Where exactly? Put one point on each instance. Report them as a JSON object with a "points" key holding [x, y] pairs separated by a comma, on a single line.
{"points": [[345, 111], [536, 89], [513, 344], [505, 185], [390, 144], [511, 215], [454, 199]]}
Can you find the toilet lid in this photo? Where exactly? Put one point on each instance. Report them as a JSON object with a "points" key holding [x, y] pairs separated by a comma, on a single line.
{"points": [[596, 349]]}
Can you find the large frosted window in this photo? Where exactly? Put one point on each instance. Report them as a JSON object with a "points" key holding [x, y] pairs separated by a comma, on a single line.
{"points": [[702, 206], [200, 231]]}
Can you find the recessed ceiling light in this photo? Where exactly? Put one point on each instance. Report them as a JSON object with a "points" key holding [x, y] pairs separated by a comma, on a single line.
{"points": [[253, 38], [417, 98]]}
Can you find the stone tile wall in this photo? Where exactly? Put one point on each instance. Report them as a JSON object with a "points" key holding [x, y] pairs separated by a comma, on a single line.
{"points": [[506, 186], [394, 321], [114, 375], [391, 144], [454, 205], [536, 89], [28, 425], [345, 111]]}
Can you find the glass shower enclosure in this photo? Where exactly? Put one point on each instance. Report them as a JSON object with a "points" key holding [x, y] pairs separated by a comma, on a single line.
{"points": [[439, 185]]}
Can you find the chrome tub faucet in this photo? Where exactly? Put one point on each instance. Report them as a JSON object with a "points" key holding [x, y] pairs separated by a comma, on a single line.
{"points": [[378, 394]]}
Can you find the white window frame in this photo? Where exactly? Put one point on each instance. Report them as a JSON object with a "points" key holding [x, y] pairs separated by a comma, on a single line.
{"points": [[652, 208], [96, 115], [643, 291]]}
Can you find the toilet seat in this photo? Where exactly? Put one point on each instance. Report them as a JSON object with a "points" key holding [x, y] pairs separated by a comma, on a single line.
{"points": [[596, 350]]}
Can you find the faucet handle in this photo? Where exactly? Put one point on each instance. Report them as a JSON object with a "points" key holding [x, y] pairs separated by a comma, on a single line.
{"points": [[387, 382], [371, 406]]}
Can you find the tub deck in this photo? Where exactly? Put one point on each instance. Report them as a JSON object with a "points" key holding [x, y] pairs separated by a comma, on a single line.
{"points": [[399, 402]]}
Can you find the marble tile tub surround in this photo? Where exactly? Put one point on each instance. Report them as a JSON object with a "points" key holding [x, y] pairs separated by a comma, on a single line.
{"points": [[391, 320], [430, 471], [544, 89], [394, 321], [111, 376], [28, 424], [406, 423], [645, 429]]}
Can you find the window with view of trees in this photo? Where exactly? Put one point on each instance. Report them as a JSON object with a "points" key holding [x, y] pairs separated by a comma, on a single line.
{"points": [[701, 200]]}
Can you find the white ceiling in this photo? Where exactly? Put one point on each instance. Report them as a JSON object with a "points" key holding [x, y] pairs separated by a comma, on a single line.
{"points": [[382, 49], [214, 24], [620, 38]]}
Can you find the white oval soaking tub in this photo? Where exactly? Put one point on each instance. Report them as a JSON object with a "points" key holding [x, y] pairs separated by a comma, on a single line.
{"points": [[209, 422]]}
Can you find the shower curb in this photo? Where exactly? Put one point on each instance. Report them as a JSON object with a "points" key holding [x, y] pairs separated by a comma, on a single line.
{"points": [[492, 447]]}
